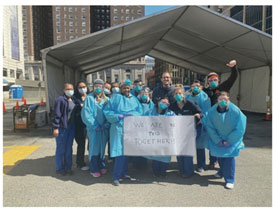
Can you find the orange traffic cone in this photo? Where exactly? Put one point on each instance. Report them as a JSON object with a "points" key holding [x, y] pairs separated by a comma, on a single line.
{"points": [[42, 102], [4, 107], [268, 115], [17, 105], [25, 101], [23, 98]]}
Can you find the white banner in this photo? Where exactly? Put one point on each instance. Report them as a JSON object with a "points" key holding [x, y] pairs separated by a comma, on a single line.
{"points": [[159, 135]]}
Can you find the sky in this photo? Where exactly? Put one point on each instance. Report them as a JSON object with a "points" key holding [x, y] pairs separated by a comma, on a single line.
{"points": [[154, 9]]}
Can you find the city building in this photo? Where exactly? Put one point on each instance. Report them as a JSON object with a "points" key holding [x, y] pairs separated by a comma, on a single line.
{"points": [[149, 63], [99, 18], [13, 48]]}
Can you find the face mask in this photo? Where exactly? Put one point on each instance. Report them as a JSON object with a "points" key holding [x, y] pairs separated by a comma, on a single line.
{"points": [[98, 90], [195, 90], [106, 91], [144, 98], [138, 89], [178, 98], [213, 84], [162, 106], [115, 90], [223, 103], [69, 93], [82, 90]]}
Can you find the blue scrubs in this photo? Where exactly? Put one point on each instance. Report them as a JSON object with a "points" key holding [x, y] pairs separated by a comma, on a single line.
{"points": [[159, 163], [228, 126], [97, 131], [120, 105], [202, 138]]}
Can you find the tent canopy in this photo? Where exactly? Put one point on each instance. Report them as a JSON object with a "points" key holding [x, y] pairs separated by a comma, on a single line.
{"points": [[192, 37]]}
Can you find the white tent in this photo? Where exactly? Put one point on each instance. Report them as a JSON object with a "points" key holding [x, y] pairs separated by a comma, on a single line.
{"points": [[192, 37]]}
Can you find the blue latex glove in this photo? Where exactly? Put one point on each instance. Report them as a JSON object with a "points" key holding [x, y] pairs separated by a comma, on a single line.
{"points": [[120, 117]]}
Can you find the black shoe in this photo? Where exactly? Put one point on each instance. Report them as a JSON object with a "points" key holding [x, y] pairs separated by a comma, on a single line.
{"points": [[61, 173], [70, 172]]}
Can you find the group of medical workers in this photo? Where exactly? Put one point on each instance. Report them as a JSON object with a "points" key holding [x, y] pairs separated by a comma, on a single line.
{"points": [[99, 115]]}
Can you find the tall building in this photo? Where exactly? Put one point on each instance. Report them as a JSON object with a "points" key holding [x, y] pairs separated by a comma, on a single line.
{"points": [[13, 49], [100, 18]]}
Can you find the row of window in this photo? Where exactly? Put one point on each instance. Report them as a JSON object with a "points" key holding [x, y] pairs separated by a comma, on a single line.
{"points": [[5, 73], [127, 11], [71, 37], [71, 23], [103, 11], [58, 30], [127, 18], [102, 16], [103, 22], [71, 16], [70, 9]]}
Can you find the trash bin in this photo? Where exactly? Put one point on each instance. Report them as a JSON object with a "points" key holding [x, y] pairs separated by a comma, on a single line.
{"points": [[24, 117], [17, 91], [41, 116]]}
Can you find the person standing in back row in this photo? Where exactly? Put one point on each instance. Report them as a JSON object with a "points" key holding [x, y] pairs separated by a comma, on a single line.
{"points": [[213, 89]]}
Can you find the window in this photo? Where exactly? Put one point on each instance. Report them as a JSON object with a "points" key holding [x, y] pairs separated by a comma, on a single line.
{"points": [[58, 23], [83, 16], [115, 10], [83, 9], [27, 74], [71, 30], [76, 30], [254, 15], [65, 8], [268, 22], [70, 9], [115, 18], [57, 29], [133, 18], [98, 27], [116, 77], [58, 37], [57, 8], [102, 16], [83, 23], [65, 15], [103, 22], [65, 23], [102, 11], [71, 23], [19, 74], [98, 10], [128, 70], [139, 76], [71, 37], [237, 13], [133, 11], [107, 11], [102, 27], [108, 22], [58, 16], [36, 73], [12, 73], [75, 9], [5, 72], [122, 18], [139, 11], [122, 10], [127, 11], [98, 16], [83, 31], [127, 18], [71, 16]]}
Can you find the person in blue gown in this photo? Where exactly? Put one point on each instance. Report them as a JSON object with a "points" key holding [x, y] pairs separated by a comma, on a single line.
{"points": [[97, 127], [226, 126], [118, 108], [137, 87], [198, 96], [160, 163]]}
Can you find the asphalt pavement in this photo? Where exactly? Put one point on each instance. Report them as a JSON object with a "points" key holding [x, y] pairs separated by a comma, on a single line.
{"points": [[30, 180]]}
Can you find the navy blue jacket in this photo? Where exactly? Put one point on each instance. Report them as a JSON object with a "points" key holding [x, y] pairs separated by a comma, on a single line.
{"points": [[160, 92], [60, 116]]}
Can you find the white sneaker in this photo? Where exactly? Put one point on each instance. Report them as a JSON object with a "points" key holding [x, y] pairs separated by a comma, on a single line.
{"points": [[217, 175], [85, 168], [229, 185]]}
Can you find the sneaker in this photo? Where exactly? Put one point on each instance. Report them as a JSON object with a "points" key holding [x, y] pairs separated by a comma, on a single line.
{"points": [[229, 185], [116, 183], [211, 166], [96, 174], [217, 175], [200, 170], [127, 177], [103, 171], [85, 168]]}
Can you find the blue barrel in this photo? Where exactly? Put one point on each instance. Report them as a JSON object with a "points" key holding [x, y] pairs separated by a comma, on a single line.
{"points": [[17, 91]]}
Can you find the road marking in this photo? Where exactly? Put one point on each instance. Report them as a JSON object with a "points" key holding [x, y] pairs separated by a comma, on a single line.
{"points": [[16, 154]]}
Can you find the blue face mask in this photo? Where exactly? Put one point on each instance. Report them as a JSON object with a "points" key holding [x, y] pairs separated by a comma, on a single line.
{"points": [[162, 106], [98, 90], [223, 104], [213, 84], [115, 90], [82, 90], [195, 90], [144, 98], [138, 89], [178, 98]]}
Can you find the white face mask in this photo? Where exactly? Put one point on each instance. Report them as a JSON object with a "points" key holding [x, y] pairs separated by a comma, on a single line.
{"points": [[82, 90], [115, 90], [69, 93]]}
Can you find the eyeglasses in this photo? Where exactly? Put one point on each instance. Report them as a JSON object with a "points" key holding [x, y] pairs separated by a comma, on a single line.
{"points": [[213, 80]]}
